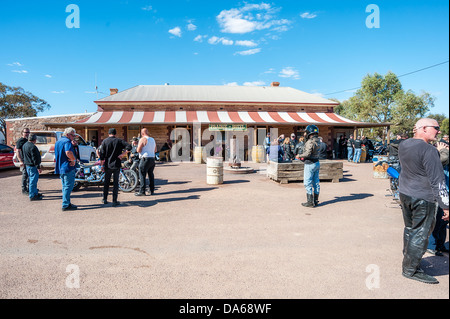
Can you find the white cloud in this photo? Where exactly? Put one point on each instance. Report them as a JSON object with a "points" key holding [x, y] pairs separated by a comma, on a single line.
{"points": [[175, 31], [15, 64], [147, 8], [248, 52], [249, 18], [231, 84], [308, 15], [270, 71], [254, 83], [200, 38], [48, 76], [289, 72], [216, 40], [58, 92], [20, 71], [191, 27], [246, 43]]}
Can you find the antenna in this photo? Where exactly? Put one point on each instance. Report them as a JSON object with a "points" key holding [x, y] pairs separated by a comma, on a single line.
{"points": [[96, 87]]}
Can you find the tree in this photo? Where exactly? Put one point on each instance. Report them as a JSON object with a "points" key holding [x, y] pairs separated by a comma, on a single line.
{"points": [[382, 99], [442, 120], [15, 102]]}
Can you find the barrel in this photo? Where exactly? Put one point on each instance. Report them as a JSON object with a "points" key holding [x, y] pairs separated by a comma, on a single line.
{"points": [[214, 170], [363, 157], [380, 171], [258, 154], [198, 155]]}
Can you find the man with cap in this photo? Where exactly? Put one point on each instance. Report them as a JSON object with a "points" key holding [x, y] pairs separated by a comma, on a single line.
{"points": [[310, 157], [111, 153], [32, 161], [292, 145]]}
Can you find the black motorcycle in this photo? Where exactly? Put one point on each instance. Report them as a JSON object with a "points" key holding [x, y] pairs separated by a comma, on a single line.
{"points": [[87, 175]]}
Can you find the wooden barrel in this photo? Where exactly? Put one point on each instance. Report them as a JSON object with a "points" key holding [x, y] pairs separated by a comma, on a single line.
{"points": [[214, 170], [258, 154], [198, 155], [362, 159]]}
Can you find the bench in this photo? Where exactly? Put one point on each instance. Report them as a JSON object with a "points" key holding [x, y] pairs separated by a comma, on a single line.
{"points": [[289, 172]]}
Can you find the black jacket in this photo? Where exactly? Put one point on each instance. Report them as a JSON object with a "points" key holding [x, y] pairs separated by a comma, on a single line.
{"points": [[110, 150], [31, 155]]}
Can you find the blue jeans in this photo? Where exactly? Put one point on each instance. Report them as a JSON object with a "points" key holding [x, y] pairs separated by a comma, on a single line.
{"points": [[33, 176], [349, 153], [311, 178], [357, 155], [68, 180]]}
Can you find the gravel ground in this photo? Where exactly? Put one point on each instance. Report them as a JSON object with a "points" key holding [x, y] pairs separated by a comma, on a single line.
{"points": [[245, 239]]}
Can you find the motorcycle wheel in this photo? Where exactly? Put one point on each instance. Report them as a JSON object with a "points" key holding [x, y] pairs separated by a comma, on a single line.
{"points": [[128, 180], [76, 186]]}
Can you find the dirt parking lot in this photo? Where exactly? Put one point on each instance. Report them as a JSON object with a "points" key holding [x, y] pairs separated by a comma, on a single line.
{"points": [[247, 238]]}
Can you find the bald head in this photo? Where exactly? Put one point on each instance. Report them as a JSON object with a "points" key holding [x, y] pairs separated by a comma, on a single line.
{"points": [[426, 129], [144, 132]]}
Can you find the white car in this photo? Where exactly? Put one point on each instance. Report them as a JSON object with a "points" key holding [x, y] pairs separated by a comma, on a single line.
{"points": [[46, 141]]}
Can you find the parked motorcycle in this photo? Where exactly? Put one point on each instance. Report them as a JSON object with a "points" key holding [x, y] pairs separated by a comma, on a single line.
{"points": [[394, 173], [94, 175]]}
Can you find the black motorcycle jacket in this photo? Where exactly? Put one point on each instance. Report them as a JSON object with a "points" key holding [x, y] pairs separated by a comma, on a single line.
{"points": [[310, 153]]}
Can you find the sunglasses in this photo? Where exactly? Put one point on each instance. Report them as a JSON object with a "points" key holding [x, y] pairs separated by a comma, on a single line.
{"points": [[437, 128]]}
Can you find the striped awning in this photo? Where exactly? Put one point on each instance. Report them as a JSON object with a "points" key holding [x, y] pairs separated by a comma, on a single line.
{"points": [[207, 117]]}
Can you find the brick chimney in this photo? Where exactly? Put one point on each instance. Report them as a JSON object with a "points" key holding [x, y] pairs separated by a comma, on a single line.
{"points": [[275, 84], [113, 91]]}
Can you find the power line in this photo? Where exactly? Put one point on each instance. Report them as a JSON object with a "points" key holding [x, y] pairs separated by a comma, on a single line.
{"points": [[428, 67]]}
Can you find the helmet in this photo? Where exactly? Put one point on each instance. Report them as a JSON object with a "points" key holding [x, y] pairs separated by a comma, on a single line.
{"points": [[311, 129]]}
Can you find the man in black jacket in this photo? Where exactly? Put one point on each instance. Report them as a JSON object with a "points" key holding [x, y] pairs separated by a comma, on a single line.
{"points": [[32, 162], [18, 149], [111, 153]]}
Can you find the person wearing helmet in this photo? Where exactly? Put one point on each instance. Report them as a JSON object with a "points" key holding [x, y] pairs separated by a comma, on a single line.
{"points": [[310, 157]]}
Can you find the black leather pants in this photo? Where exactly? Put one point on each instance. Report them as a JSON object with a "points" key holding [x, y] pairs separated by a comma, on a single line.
{"points": [[419, 217]]}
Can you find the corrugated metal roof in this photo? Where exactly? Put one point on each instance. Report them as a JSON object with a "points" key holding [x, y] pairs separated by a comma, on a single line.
{"points": [[215, 94]]}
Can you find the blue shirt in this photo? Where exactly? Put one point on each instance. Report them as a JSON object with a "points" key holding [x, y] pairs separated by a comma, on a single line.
{"points": [[62, 162]]}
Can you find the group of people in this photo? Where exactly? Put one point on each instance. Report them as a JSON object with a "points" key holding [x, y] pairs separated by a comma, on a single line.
{"points": [[309, 149], [352, 148], [111, 153], [285, 149]]}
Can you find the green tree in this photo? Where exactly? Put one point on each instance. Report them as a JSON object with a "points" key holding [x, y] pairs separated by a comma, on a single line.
{"points": [[15, 102], [382, 99], [442, 119]]}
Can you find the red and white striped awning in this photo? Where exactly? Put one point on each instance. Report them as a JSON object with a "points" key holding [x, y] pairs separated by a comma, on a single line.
{"points": [[207, 117]]}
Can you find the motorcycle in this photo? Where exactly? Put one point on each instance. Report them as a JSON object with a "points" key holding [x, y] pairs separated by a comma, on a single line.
{"points": [[393, 172], [94, 175]]}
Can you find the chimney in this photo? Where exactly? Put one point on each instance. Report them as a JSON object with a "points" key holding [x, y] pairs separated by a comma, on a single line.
{"points": [[275, 84], [113, 91]]}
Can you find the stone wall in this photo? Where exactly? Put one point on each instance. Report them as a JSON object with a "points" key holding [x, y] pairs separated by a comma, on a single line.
{"points": [[14, 127]]}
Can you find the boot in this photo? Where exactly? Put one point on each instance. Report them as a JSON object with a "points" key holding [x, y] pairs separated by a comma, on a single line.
{"points": [[309, 201], [316, 199]]}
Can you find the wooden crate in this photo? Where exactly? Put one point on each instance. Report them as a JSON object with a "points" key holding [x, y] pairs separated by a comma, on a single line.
{"points": [[288, 172]]}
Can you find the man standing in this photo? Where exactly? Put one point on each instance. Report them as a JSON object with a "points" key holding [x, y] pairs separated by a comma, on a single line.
{"points": [[32, 161], [19, 144], [292, 145], [422, 189], [350, 146], [147, 150], [322, 149], [357, 143], [310, 157], [65, 162], [111, 153]]}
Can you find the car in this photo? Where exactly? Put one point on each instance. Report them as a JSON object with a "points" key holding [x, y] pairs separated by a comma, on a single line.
{"points": [[6, 156], [45, 143]]}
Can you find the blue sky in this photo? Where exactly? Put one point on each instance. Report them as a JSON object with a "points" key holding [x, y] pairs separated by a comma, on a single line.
{"points": [[319, 47]]}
